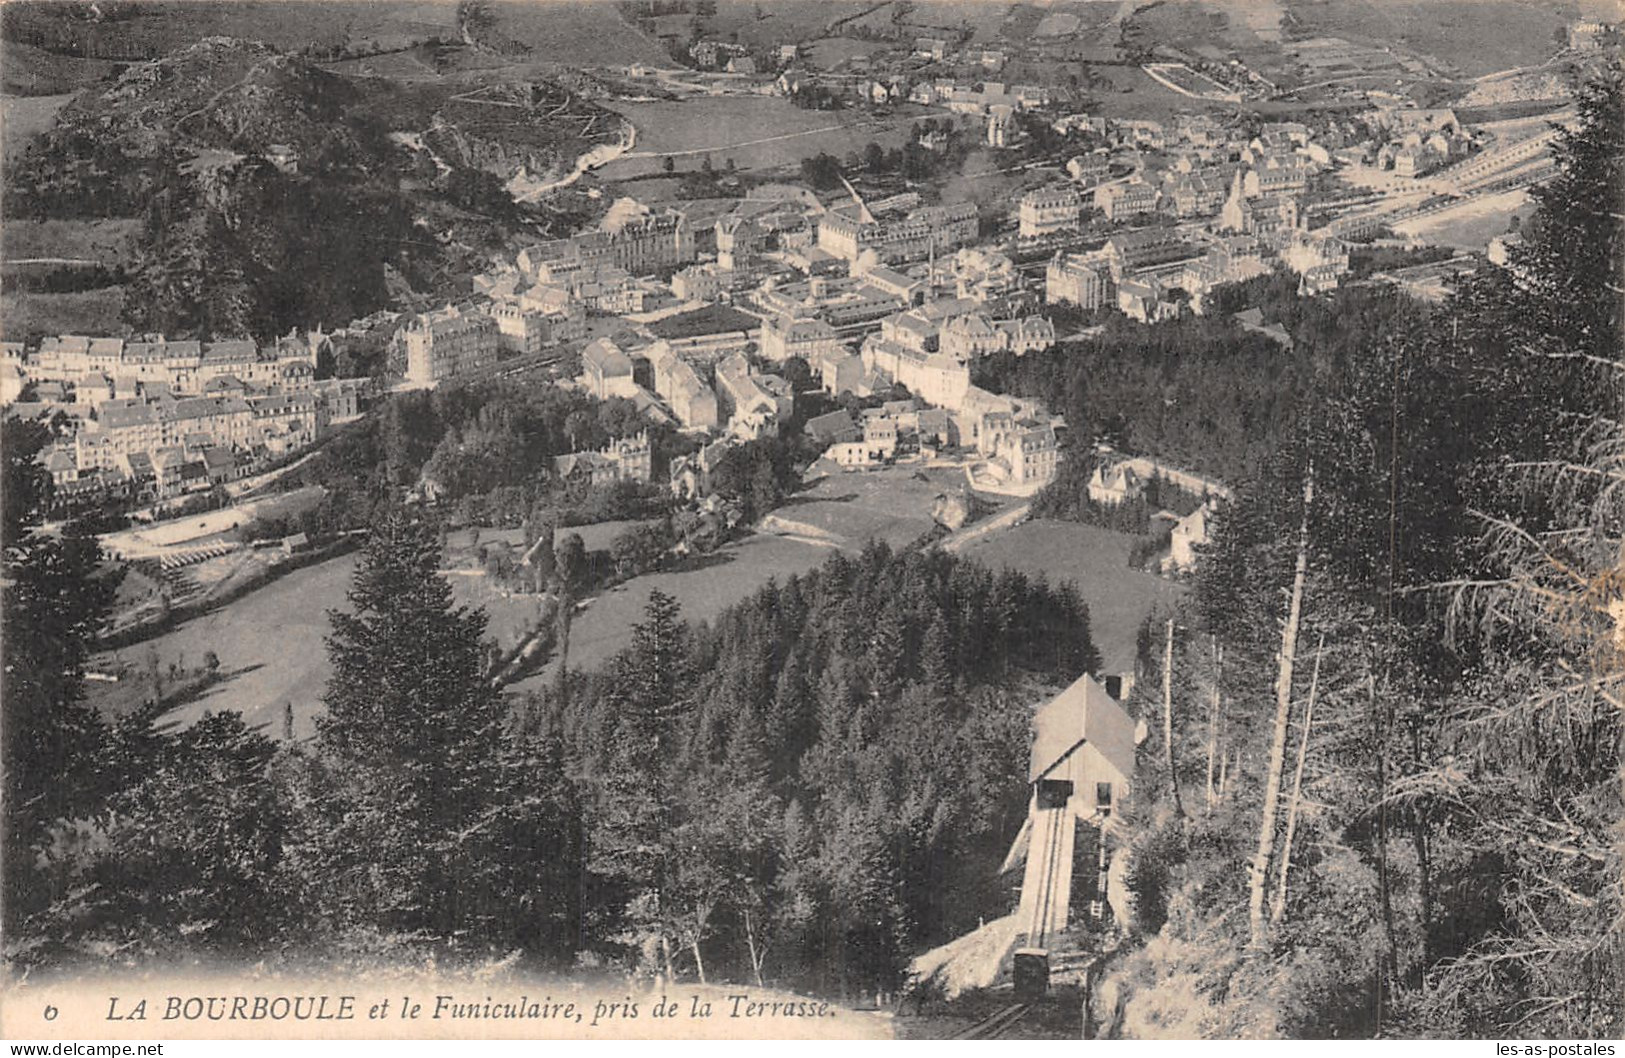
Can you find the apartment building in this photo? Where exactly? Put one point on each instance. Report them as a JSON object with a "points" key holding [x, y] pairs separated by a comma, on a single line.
{"points": [[1084, 280], [911, 237], [1048, 210], [447, 343]]}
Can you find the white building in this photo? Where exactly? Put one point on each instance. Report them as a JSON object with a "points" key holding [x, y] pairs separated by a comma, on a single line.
{"points": [[1128, 199], [1048, 210], [783, 338], [606, 370], [448, 343]]}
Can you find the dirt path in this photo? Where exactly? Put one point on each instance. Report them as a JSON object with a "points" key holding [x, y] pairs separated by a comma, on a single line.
{"points": [[829, 30], [972, 533], [212, 100]]}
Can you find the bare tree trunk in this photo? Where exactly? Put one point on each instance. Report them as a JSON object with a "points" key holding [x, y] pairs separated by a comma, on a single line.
{"points": [[1258, 875], [665, 952], [1278, 902], [1168, 718], [757, 956], [699, 963], [1213, 724]]}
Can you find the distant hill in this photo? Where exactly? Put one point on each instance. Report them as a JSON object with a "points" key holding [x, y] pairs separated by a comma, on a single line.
{"points": [[136, 30], [274, 192], [28, 71], [574, 34], [227, 94]]}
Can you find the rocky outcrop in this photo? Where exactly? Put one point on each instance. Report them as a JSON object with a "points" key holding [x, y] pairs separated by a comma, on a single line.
{"points": [[955, 508]]}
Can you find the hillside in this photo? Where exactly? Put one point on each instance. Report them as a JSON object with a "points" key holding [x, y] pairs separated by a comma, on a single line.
{"points": [[244, 97], [1469, 38], [578, 35], [28, 71], [366, 169], [132, 31], [221, 93]]}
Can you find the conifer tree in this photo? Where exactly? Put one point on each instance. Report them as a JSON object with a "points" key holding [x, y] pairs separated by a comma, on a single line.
{"points": [[636, 818], [413, 735], [1534, 789]]}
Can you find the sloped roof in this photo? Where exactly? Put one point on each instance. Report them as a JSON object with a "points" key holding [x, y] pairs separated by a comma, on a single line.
{"points": [[835, 426], [115, 414], [1083, 713], [607, 357]]}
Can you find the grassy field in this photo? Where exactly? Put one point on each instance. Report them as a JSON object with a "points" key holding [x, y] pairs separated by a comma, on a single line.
{"points": [[109, 241], [160, 26], [1097, 560], [704, 590], [985, 19], [272, 649], [28, 71], [782, 21], [580, 34], [755, 131], [1474, 36], [893, 505], [24, 117], [1134, 94], [832, 51], [270, 644], [85, 312]]}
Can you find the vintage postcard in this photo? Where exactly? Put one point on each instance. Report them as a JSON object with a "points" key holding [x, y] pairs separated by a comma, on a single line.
{"points": [[701, 519]]}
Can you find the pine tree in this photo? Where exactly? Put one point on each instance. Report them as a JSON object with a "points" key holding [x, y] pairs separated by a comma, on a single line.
{"points": [[637, 803], [1534, 789], [413, 734], [193, 839]]}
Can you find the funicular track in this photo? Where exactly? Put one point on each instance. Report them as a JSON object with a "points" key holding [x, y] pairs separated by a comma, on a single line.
{"points": [[996, 1024]]}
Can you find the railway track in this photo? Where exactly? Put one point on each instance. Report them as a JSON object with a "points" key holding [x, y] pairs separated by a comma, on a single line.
{"points": [[996, 1024]]}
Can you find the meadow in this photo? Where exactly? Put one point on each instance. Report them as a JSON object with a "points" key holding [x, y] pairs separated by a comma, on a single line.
{"points": [[110, 242], [271, 646], [157, 27], [830, 52], [30, 71], [25, 314], [24, 117], [783, 20], [1475, 37], [756, 132], [1096, 559], [893, 505], [703, 589], [583, 34], [271, 643]]}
